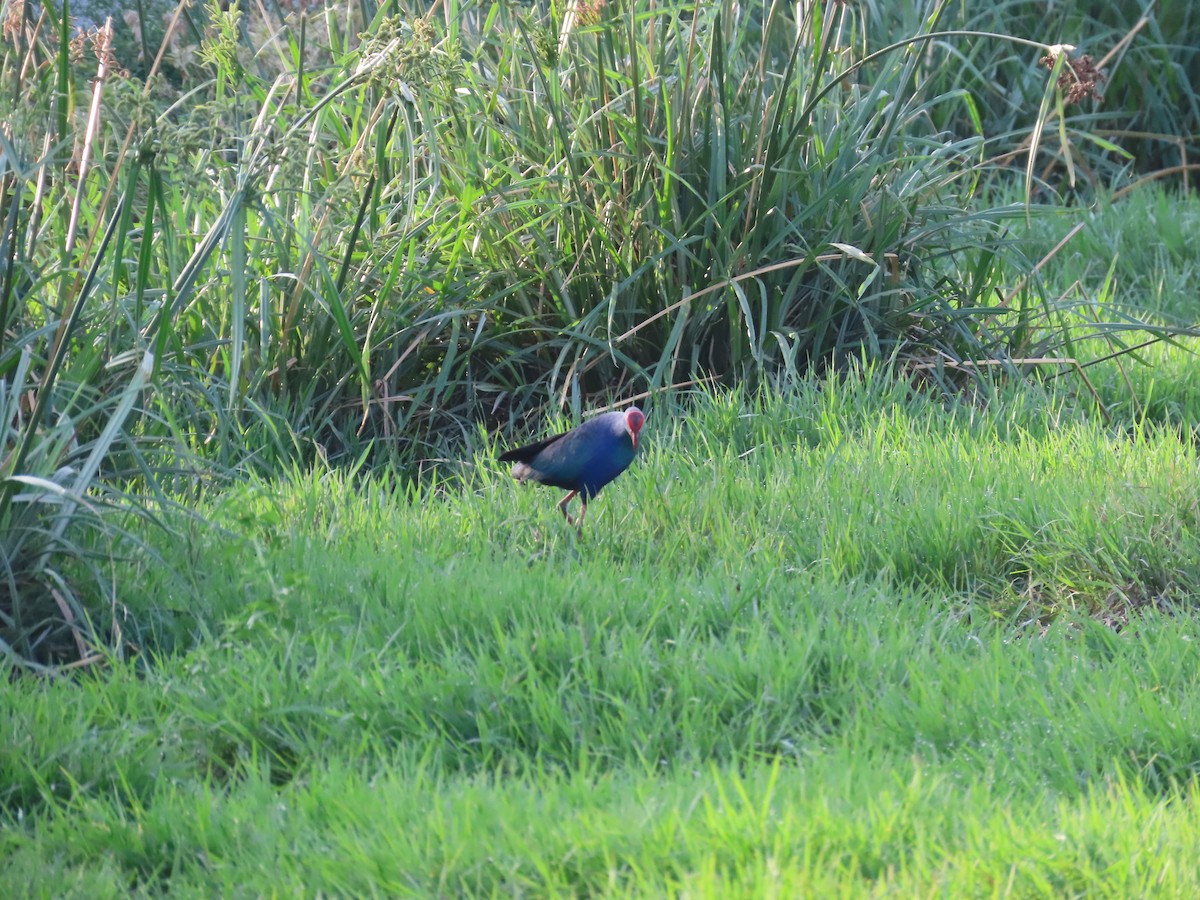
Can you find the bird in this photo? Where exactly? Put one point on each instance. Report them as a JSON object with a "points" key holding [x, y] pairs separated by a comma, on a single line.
{"points": [[582, 460]]}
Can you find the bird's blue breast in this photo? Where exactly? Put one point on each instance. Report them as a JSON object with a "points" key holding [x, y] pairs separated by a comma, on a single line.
{"points": [[603, 466]]}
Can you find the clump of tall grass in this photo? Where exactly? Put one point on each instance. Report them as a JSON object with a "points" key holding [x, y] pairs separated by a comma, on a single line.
{"points": [[67, 393], [1144, 115], [631, 199], [485, 211]]}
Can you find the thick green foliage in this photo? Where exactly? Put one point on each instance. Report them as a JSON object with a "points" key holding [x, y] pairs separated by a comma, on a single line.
{"points": [[312, 242], [482, 212], [1149, 53]]}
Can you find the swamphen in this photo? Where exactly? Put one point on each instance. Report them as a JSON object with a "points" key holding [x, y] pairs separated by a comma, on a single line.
{"points": [[581, 460]]}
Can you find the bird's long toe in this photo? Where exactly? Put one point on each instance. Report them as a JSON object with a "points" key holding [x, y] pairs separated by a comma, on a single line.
{"points": [[564, 503]]}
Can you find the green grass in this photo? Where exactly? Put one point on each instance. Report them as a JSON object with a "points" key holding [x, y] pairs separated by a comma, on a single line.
{"points": [[1131, 263], [1134, 254], [841, 824], [840, 640]]}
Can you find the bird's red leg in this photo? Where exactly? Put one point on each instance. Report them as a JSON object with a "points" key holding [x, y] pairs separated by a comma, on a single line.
{"points": [[582, 513], [562, 505]]}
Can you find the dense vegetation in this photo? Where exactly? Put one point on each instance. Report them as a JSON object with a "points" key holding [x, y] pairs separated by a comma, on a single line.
{"points": [[308, 243], [899, 595]]}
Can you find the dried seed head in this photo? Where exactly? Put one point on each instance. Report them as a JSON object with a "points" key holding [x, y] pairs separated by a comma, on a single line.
{"points": [[588, 12], [1079, 78], [13, 19]]}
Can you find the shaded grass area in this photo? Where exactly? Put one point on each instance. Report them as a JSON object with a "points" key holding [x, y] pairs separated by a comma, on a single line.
{"points": [[1131, 262], [842, 639]]}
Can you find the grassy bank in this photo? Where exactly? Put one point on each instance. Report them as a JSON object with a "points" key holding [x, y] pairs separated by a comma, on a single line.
{"points": [[804, 644]]}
